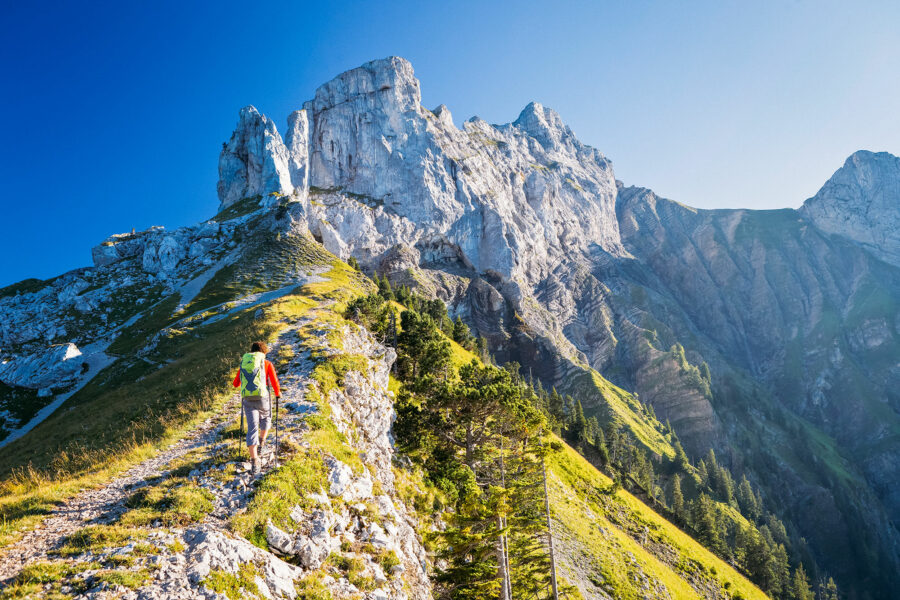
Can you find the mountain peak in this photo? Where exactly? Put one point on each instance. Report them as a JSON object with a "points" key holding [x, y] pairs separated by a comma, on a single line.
{"points": [[542, 123], [861, 202], [392, 80], [254, 161]]}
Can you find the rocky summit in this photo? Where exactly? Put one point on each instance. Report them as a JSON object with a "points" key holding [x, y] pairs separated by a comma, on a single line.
{"points": [[719, 386]]}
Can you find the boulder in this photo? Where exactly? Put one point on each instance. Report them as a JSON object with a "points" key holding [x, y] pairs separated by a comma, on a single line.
{"points": [[52, 367]]}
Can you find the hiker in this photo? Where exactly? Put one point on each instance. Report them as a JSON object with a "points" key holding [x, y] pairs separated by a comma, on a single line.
{"points": [[254, 377]]}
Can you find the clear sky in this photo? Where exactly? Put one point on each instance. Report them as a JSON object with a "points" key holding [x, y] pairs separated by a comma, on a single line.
{"points": [[114, 113]]}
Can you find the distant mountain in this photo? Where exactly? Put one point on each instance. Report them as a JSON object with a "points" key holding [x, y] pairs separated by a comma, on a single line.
{"points": [[860, 202]]}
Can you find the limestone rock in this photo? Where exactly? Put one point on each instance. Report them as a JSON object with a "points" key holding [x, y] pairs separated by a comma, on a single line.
{"points": [[860, 202], [255, 160], [345, 484], [278, 539], [54, 366], [381, 170]]}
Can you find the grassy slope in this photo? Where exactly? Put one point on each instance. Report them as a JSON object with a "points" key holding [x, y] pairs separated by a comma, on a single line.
{"points": [[617, 538], [624, 409], [140, 404], [621, 538]]}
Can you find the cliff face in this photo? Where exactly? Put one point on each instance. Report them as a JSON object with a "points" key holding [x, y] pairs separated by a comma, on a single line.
{"points": [[860, 203], [806, 315], [522, 229], [516, 200]]}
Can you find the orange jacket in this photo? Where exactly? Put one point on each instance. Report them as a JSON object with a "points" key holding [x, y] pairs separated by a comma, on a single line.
{"points": [[271, 379]]}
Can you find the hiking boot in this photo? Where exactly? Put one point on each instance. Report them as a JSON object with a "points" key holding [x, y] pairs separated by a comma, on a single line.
{"points": [[255, 468]]}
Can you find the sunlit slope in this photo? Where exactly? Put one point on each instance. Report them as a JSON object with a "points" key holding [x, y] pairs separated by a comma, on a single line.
{"points": [[612, 542], [173, 367]]}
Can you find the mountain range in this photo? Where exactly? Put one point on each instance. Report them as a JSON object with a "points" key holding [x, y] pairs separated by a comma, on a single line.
{"points": [[770, 337]]}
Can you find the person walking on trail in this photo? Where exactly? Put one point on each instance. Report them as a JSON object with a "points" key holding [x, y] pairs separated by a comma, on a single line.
{"points": [[255, 376]]}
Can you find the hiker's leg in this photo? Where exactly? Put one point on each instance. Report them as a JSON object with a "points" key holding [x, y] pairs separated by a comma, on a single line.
{"points": [[252, 414], [264, 421]]}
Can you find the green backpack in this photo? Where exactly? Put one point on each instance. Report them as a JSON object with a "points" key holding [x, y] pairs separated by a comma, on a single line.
{"points": [[253, 374]]}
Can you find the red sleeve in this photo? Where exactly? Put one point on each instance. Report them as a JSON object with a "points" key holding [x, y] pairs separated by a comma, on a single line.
{"points": [[273, 378], [237, 379]]}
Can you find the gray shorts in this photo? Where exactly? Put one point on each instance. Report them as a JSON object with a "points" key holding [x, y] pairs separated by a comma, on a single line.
{"points": [[256, 411]]}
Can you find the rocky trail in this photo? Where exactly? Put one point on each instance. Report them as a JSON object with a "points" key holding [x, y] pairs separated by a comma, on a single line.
{"points": [[102, 505], [92, 550], [204, 444]]}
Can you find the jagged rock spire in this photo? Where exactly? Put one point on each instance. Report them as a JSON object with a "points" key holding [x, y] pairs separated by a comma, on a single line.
{"points": [[254, 161]]}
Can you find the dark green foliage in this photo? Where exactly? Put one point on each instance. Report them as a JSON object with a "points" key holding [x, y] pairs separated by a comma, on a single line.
{"points": [[372, 312], [458, 424], [799, 588], [384, 288], [421, 349], [677, 498], [477, 433]]}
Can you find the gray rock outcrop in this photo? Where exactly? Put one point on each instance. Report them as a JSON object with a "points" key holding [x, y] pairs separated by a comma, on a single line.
{"points": [[255, 160], [861, 202], [517, 199], [55, 366]]}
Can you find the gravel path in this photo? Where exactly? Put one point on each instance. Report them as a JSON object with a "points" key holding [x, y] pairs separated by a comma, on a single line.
{"points": [[106, 504]]}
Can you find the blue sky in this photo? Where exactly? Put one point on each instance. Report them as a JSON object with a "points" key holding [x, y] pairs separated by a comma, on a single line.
{"points": [[115, 112]]}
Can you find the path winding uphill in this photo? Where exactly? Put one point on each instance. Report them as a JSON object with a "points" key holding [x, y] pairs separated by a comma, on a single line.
{"points": [[171, 526]]}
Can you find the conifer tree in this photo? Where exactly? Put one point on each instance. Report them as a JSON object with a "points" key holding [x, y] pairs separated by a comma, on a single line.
{"points": [[747, 500], [580, 423], [677, 496], [384, 288], [703, 473], [828, 590], [704, 521], [681, 457], [799, 588], [600, 443]]}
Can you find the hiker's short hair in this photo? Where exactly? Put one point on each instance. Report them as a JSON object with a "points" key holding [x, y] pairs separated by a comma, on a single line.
{"points": [[259, 347]]}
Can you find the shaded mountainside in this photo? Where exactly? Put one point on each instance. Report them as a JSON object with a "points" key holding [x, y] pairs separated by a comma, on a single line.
{"points": [[812, 319]]}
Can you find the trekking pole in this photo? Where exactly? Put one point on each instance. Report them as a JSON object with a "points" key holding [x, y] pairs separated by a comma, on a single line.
{"points": [[241, 433], [277, 398]]}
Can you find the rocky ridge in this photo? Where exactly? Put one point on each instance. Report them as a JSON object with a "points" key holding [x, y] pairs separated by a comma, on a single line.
{"points": [[188, 562]]}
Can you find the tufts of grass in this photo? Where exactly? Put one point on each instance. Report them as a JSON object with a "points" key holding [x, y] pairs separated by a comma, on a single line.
{"points": [[242, 207], [388, 560], [312, 587], [129, 579], [121, 560], [26, 286], [173, 502], [139, 333], [235, 586], [354, 568], [98, 537], [277, 493], [45, 579]]}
